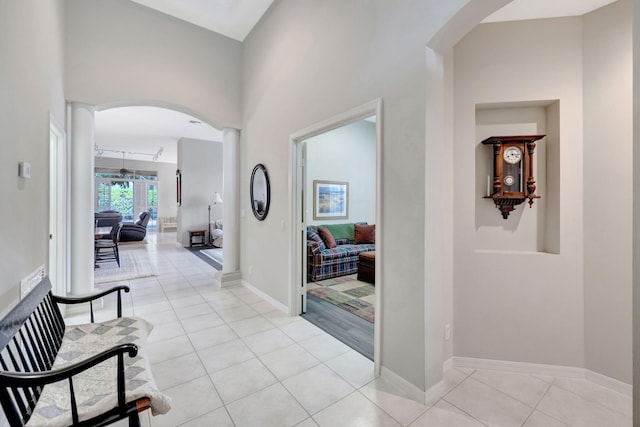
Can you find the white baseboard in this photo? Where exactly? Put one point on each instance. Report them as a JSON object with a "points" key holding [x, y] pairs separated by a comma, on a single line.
{"points": [[610, 383], [406, 387], [447, 364], [521, 367], [228, 279], [265, 297], [540, 369], [434, 394]]}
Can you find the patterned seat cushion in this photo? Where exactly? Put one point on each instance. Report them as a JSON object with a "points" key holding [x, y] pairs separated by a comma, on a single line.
{"points": [[95, 388]]}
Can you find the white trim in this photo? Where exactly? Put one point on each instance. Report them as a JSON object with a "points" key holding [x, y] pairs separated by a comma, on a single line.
{"points": [[270, 300], [230, 278], [608, 382], [57, 260], [541, 369], [520, 367], [360, 112], [377, 331], [447, 364], [434, 394], [296, 251], [407, 388]]}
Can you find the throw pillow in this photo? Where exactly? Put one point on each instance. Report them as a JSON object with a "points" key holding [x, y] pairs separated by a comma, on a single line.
{"points": [[327, 237], [316, 238], [365, 233], [340, 231]]}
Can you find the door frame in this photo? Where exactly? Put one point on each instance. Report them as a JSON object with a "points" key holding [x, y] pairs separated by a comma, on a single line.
{"points": [[58, 230], [297, 245]]}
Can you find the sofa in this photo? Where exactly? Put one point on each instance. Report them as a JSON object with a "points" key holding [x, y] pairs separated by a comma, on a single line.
{"points": [[135, 231], [217, 235], [333, 249], [108, 218]]}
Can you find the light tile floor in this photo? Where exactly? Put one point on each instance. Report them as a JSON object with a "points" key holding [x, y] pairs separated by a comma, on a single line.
{"points": [[229, 358]]}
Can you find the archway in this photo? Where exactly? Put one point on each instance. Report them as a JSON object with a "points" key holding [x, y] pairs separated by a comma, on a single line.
{"points": [[82, 118]]}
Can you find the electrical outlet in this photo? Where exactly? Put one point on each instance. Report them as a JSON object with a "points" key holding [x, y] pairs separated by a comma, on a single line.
{"points": [[250, 270], [447, 332]]}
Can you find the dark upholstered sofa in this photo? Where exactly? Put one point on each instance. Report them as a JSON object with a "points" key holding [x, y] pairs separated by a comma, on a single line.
{"points": [[324, 262], [108, 218], [135, 231]]}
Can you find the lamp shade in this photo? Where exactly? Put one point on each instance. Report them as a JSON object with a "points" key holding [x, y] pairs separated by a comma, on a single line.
{"points": [[216, 198]]}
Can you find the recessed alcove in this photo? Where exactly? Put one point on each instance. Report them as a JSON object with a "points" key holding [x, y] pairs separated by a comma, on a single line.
{"points": [[528, 230]]}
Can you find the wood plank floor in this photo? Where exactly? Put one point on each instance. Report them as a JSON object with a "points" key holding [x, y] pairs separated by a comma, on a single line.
{"points": [[352, 330]]}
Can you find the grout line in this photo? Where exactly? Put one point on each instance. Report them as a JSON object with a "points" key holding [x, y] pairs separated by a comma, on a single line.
{"points": [[464, 412], [505, 393]]}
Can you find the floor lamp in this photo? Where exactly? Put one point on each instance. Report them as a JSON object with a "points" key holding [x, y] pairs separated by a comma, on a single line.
{"points": [[216, 199]]}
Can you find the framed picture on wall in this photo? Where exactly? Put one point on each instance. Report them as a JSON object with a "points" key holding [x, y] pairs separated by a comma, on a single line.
{"points": [[330, 200]]}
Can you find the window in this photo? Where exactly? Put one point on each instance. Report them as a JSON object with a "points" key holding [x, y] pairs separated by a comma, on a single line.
{"points": [[129, 193]]}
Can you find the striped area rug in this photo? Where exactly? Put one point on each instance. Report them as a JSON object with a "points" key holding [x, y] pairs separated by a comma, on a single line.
{"points": [[134, 264]]}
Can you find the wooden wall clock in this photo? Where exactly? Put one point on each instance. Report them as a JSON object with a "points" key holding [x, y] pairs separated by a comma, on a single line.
{"points": [[513, 181]]}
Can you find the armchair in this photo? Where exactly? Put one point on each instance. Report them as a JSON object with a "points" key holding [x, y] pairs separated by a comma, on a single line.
{"points": [[135, 231]]}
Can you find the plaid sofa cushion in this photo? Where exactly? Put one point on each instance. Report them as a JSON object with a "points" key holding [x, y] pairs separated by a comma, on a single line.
{"points": [[339, 261]]}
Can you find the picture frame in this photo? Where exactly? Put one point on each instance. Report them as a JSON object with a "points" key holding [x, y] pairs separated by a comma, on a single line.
{"points": [[330, 199]]}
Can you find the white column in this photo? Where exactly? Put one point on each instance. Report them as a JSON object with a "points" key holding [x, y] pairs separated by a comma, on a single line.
{"points": [[230, 274], [81, 185]]}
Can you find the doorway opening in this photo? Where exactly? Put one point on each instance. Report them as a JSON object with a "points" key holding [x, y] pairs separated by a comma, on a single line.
{"points": [[336, 184], [143, 154]]}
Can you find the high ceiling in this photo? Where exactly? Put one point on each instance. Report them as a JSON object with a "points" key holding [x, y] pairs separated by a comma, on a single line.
{"points": [[519, 10], [141, 132], [147, 129], [232, 18], [236, 18]]}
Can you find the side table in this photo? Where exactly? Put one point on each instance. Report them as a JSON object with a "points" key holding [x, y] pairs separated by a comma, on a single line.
{"points": [[196, 233]]}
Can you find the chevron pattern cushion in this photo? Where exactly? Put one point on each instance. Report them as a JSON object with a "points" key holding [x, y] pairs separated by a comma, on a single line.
{"points": [[95, 387]]}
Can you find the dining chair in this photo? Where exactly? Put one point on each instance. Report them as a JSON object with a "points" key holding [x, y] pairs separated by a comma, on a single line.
{"points": [[106, 250]]}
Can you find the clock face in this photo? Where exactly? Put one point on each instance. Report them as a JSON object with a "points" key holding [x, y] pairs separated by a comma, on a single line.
{"points": [[512, 155], [509, 180]]}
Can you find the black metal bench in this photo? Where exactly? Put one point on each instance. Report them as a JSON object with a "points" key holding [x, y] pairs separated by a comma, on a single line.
{"points": [[31, 336]]}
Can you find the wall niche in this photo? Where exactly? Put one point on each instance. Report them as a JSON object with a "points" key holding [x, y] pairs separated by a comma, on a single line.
{"points": [[527, 230]]}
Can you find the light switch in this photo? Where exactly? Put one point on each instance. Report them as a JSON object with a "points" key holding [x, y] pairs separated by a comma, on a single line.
{"points": [[24, 170]]}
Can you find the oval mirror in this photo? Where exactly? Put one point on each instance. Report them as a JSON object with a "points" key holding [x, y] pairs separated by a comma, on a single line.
{"points": [[260, 192]]}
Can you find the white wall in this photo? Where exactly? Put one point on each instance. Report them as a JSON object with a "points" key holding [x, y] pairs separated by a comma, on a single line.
{"points": [[573, 308], [201, 165], [608, 154], [121, 52], [345, 154], [31, 88], [166, 180], [307, 61], [514, 305]]}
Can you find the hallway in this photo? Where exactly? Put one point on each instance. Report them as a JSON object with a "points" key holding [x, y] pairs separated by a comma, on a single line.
{"points": [[229, 358]]}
